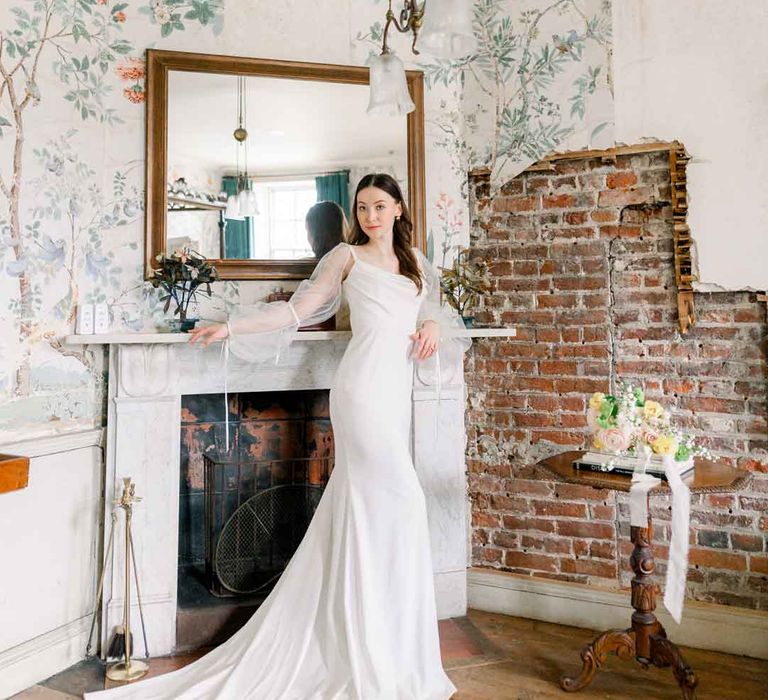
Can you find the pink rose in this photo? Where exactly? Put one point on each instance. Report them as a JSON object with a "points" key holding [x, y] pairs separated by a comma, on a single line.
{"points": [[614, 439]]}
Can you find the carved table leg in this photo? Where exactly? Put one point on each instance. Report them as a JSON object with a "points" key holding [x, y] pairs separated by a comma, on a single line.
{"points": [[646, 640], [593, 656], [665, 653]]}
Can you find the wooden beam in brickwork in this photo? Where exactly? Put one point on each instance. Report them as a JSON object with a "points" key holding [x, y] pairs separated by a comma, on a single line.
{"points": [[683, 242], [14, 473]]}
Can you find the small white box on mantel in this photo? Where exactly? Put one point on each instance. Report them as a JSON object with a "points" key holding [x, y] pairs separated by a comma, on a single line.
{"points": [[84, 321], [100, 318]]}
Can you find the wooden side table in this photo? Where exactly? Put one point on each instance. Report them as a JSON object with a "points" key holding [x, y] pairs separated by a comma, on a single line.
{"points": [[646, 639]]}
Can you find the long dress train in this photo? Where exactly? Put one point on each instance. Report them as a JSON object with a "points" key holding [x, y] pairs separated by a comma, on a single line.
{"points": [[353, 616]]}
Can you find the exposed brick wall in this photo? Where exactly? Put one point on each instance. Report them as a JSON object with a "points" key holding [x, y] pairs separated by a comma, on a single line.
{"points": [[583, 267]]}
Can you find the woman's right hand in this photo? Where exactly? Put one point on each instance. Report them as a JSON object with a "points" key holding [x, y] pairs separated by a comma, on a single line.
{"points": [[209, 334]]}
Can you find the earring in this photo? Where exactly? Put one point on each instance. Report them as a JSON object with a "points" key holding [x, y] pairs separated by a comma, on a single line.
{"points": [[397, 218]]}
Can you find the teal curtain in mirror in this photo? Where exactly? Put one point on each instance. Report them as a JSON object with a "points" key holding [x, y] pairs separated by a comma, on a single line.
{"points": [[237, 235], [334, 187]]}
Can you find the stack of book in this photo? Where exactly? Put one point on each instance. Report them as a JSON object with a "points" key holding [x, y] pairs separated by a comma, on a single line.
{"points": [[628, 464]]}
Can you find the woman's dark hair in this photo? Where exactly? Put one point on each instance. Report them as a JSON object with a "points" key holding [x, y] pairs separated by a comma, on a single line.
{"points": [[326, 227], [402, 231]]}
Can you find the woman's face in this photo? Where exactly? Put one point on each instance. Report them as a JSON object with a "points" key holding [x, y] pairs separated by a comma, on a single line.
{"points": [[376, 211]]}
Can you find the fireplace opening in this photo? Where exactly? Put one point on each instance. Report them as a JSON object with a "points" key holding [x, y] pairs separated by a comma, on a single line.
{"points": [[243, 511]]}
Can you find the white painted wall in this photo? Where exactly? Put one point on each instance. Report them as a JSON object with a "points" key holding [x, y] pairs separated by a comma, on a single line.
{"points": [[695, 71], [48, 550]]}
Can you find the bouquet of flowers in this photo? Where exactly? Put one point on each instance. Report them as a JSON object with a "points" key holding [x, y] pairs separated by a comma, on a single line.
{"points": [[630, 424], [181, 275]]}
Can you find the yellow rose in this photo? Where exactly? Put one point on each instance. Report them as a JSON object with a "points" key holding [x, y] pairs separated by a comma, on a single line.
{"points": [[652, 410], [595, 400], [597, 443], [664, 445]]}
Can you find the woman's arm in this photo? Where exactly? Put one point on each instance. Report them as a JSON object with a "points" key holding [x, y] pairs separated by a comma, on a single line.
{"points": [[315, 300]]}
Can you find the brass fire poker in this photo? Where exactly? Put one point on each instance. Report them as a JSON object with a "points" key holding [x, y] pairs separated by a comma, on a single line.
{"points": [[127, 669]]}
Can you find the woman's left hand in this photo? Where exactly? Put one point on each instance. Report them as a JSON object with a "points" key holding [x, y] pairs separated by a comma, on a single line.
{"points": [[425, 340]]}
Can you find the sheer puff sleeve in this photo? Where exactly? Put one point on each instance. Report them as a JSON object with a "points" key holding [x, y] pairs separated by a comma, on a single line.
{"points": [[259, 332], [452, 345]]}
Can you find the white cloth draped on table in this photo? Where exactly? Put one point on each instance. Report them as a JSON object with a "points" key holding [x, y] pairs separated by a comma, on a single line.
{"points": [[353, 616]]}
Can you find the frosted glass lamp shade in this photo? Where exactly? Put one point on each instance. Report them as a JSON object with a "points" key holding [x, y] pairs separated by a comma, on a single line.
{"points": [[233, 208], [447, 29], [389, 89]]}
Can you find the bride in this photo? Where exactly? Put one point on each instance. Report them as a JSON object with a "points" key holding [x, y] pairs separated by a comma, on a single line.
{"points": [[353, 616]]}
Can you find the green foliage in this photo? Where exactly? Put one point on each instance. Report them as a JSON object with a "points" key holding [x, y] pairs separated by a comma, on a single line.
{"points": [[464, 282], [181, 275]]}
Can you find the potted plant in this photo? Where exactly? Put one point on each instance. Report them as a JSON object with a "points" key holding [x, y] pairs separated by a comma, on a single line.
{"points": [[181, 275], [463, 283]]}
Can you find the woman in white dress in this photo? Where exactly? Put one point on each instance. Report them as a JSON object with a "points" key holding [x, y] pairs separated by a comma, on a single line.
{"points": [[353, 616]]}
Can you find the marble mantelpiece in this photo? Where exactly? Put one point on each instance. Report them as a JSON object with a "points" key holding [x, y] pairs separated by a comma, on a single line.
{"points": [[148, 375]]}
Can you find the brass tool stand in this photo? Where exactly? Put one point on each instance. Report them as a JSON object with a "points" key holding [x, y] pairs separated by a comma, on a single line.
{"points": [[128, 669]]}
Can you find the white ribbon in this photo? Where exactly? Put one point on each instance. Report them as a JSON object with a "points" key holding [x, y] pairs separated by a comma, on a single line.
{"points": [[677, 563]]}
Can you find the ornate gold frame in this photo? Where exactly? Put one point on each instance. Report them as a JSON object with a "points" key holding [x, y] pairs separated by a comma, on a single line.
{"points": [[158, 65]]}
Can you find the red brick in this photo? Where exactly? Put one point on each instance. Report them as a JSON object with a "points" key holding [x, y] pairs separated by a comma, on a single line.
{"points": [[515, 204], [758, 564], [573, 420], [747, 543], [515, 522], [602, 550], [510, 505], [560, 201], [624, 178], [486, 519], [714, 559], [558, 438], [548, 301], [534, 420], [622, 198], [490, 554], [604, 216], [579, 528], [558, 367], [555, 508], [505, 539], [602, 512], [528, 486], [537, 184], [621, 231], [600, 569], [523, 560], [575, 218], [565, 283], [525, 267]]}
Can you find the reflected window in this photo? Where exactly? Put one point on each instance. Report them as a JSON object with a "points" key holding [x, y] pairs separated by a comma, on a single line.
{"points": [[279, 232]]}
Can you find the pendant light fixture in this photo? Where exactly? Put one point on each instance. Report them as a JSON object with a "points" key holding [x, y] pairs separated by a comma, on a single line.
{"points": [[243, 202], [447, 33]]}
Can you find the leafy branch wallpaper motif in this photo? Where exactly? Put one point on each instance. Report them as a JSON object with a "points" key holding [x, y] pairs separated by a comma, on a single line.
{"points": [[72, 93]]}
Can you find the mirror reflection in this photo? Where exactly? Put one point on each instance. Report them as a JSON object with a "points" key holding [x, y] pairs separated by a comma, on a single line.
{"points": [[264, 168]]}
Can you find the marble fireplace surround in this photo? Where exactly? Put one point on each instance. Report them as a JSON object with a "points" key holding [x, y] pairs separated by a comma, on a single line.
{"points": [[148, 375]]}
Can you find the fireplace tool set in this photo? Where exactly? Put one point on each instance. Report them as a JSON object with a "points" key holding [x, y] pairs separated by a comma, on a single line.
{"points": [[122, 643]]}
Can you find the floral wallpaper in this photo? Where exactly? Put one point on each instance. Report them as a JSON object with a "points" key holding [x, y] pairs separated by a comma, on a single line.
{"points": [[72, 90]]}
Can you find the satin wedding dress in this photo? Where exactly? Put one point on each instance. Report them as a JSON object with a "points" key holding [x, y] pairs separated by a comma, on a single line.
{"points": [[353, 616]]}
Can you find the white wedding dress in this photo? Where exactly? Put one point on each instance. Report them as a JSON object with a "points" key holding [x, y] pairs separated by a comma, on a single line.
{"points": [[353, 616]]}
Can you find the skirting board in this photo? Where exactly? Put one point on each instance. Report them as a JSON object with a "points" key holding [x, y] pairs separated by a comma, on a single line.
{"points": [[36, 659], [738, 631]]}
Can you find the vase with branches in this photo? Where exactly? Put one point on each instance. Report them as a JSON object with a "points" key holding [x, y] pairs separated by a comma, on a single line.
{"points": [[463, 283], [183, 275]]}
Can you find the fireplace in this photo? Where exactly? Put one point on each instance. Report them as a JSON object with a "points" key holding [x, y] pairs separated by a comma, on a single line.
{"points": [[244, 510], [149, 376]]}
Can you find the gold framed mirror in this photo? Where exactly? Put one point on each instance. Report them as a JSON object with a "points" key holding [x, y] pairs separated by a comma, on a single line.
{"points": [[305, 128]]}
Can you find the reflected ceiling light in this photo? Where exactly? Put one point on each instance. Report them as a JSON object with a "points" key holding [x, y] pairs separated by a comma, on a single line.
{"points": [[447, 33], [243, 202]]}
